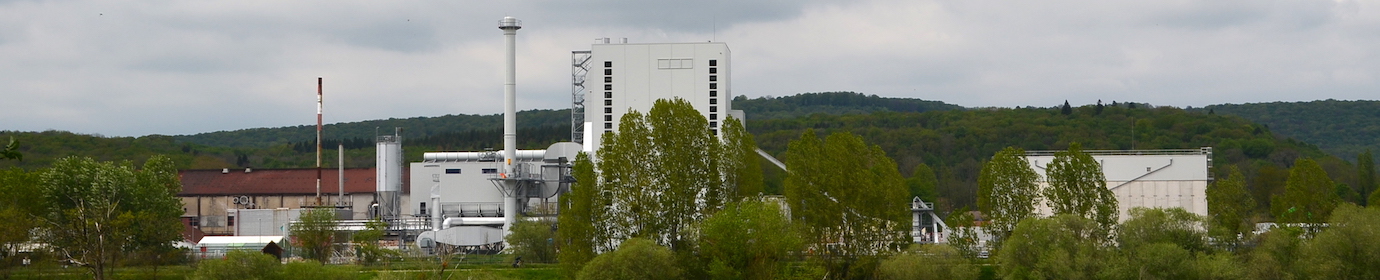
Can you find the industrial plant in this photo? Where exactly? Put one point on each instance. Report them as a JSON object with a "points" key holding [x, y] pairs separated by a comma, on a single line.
{"points": [[469, 200]]}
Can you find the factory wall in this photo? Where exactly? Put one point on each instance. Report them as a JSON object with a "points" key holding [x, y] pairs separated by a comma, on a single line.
{"points": [[1154, 179], [626, 77]]}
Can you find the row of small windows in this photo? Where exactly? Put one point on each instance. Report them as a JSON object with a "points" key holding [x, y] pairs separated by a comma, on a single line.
{"points": [[713, 96], [608, 96]]}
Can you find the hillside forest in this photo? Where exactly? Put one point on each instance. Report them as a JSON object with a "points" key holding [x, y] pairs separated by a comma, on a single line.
{"points": [[946, 143]]}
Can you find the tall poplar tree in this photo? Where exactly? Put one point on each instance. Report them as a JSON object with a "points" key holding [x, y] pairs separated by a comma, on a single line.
{"points": [[738, 161], [1365, 177], [1007, 192], [1077, 186], [578, 233]]}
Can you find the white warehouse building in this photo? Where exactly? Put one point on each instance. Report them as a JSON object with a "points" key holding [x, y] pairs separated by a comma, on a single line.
{"points": [[1146, 178], [612, 79]]}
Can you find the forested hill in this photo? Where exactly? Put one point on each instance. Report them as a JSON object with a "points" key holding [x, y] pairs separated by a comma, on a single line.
{"points": [[833, 103], [413, 128], [1342, 128], [955, 143]]}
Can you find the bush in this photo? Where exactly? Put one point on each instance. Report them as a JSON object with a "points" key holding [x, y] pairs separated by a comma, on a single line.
{"points": [[928, 262], [636, 258], [239, 265]]}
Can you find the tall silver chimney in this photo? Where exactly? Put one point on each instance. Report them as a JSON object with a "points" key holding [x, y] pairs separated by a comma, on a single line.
{"points": [[510, 26]]}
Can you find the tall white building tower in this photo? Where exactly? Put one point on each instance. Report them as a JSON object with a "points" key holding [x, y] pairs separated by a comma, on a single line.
{"points": [[621, 77]]}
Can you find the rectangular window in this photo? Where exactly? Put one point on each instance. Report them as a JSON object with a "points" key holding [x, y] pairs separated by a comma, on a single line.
{"points": [[713, 108], [713, 116], [422, 209], [713, 85], [608, 94], [608, 87], [608, 72], [230, 221], [715, 132], [608, 110], [713, 124], [608, 125], [713, 93], [713, 78], [490, 171], [713, 62], [608, 102], [608, 118], [713, 70], [608, 63], [608, 79], [713, 101], [452, 171]]}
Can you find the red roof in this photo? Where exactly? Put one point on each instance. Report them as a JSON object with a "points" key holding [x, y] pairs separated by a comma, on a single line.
{"points": [[278, 181]]}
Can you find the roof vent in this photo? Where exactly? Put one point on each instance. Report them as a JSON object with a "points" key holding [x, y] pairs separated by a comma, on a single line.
{"points": [[225, 171]]}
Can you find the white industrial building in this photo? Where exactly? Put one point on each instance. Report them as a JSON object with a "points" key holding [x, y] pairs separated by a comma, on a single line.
{"points": [[612, 79], [1146, 178]]}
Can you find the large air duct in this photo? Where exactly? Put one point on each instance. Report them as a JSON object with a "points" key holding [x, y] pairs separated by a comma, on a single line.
{"points": [[510, 26]]}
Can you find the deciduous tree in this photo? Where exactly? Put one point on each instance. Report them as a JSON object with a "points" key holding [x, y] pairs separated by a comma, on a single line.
{"points": [[738, 161], [747, 240], [1077, 186], [315, 233], [1229, 206], [923, 183], [1309, 195], [1365, 176], [579, 231], [96, 211], [1007, 192], [849, 194]]}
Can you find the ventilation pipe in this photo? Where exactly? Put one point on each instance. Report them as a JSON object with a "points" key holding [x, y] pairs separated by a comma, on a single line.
{"points": [[510, 26]]}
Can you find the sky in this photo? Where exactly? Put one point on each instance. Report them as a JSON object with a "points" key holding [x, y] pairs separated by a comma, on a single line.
{"points": [[133, 68]]}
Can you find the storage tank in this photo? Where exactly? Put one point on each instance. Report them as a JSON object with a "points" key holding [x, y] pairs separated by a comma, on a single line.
{"points": [[389, 178]]}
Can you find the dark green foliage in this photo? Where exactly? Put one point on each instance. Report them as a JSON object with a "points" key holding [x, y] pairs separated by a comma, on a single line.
{"points": [[1059, 247], [240, 264], [11, 150], [849, 193], [533, 241], [834, 103], [1365, 175], [1347, 249], [94, 212], [636, 258], [1173, 226], [1229, 207], [367, 249], [1007, 192], [1077, 186], [747, 240], [315, 233], [1066, 109], [923, 183], [578, 236], [933, 261], [1342, 128], [413, 128], [1277, 256], [1309, 195]]}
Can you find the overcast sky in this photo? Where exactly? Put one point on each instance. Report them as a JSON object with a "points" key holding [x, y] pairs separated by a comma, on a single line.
{"points": [[131, 68]]}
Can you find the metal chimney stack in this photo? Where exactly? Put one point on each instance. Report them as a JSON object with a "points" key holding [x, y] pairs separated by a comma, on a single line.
{"points": [[510, 26]]}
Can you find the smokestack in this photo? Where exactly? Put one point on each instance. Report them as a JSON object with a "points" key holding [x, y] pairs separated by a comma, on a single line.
{"points": [[339, 200], [510, 26]]}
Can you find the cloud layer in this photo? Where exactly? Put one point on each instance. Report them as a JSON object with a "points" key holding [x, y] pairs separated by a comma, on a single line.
{"points": [[128, 68]]}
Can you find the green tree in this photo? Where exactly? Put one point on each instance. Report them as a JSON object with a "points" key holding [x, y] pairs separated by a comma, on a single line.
{"points": [[578, 232], [1174, 226], [1230, 206], [11, 150], [688, 185], [738, 161], [96, 211], [367, 249], [1365, 176], [315, 233], [18, 209], [747, 240], [851, 196], [1346, 249], [1007, 192], [1309, 195], [1077, 186], [533, 241], [1277, 256], [923, 183], [1060, 247], [636, 258], [963, 233], [932, 261]]}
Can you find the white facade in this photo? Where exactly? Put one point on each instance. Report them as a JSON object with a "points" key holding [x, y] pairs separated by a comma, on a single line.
{"points": [[1146, 178], [631, 77]]}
